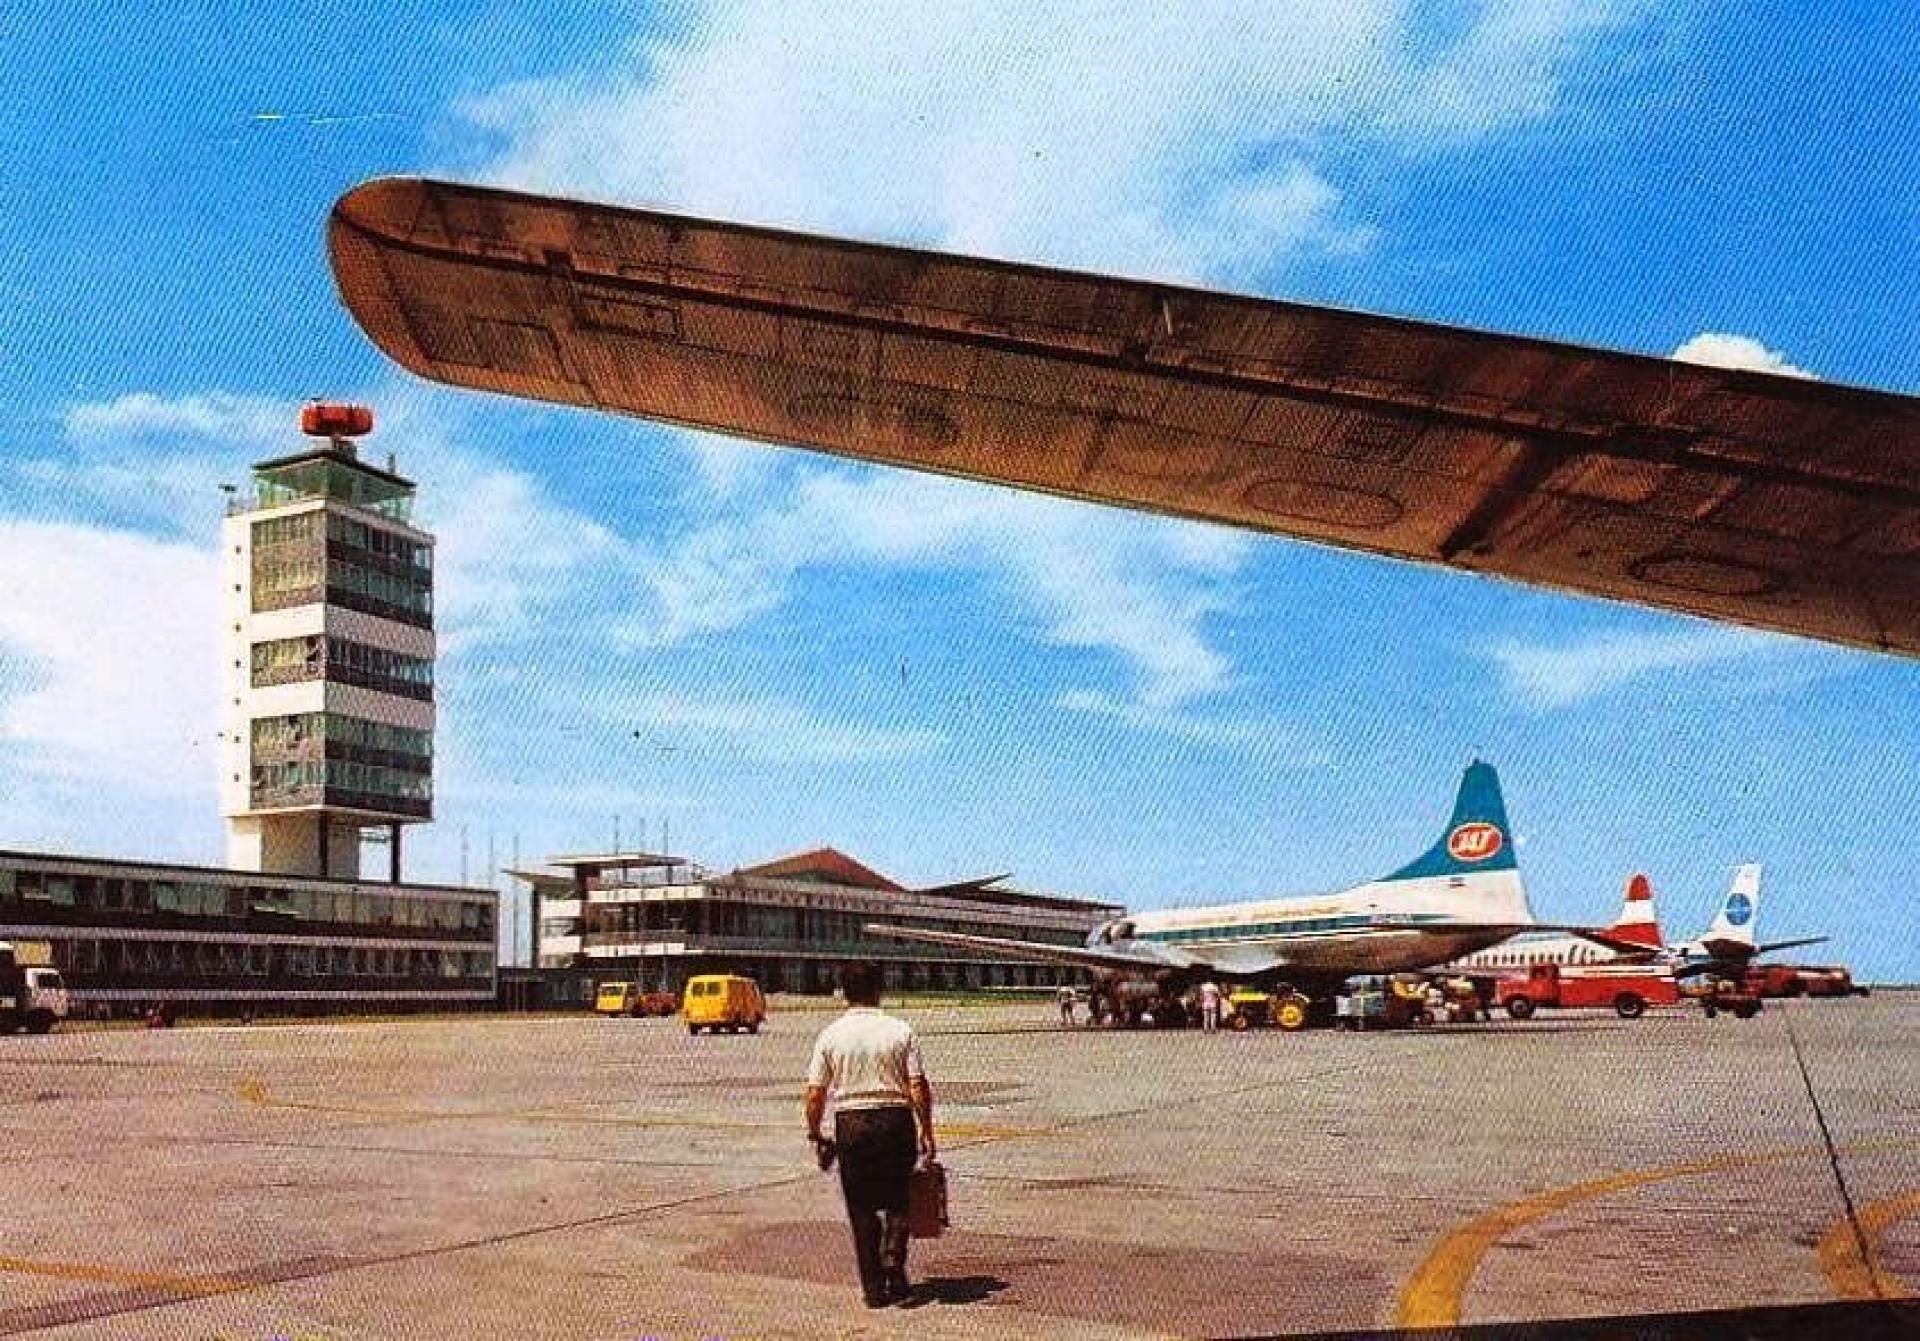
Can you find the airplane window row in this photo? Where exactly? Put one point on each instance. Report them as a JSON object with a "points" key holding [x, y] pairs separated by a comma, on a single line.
{"points": [[1256, 929]]}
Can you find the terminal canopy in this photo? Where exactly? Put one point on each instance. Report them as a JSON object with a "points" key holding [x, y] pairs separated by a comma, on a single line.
{"points": [[1777, 502]]}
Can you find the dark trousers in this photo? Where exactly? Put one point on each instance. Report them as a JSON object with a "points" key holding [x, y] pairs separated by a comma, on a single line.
{"points": [[878, 1147]]}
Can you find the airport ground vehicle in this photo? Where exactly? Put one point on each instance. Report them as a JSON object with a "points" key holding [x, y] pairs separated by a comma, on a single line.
{"points": [[1376, 1001], [629, 998], [1628, 988], [1774, 980], [717, 1001], [613, 998], [1827, 980], [1791, 980], [32, 996], [1248, 1009], [1724, 994]]}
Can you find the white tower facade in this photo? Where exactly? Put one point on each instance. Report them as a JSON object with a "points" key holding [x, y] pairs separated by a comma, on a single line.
{"points": [[329, 709]]}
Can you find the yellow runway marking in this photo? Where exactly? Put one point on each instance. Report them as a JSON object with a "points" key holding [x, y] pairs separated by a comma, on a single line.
{"points": [[103, 1275], [1433, 1294], [254, 1091], [1839, 1251]]}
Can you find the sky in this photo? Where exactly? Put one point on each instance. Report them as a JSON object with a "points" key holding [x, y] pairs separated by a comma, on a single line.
{"points": [[744, 651]]}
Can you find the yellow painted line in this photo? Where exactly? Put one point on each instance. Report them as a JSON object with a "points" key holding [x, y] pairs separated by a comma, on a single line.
{"points": [[254, 1091], [1433, 1294], [1839, 1251], [104, 1275]]}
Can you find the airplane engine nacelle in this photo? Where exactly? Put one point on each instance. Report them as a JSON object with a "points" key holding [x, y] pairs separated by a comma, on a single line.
{"points": [[1120, 929]]}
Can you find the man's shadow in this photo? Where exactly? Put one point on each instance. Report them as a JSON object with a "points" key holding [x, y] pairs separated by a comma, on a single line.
{"points": [[952, 1290]]}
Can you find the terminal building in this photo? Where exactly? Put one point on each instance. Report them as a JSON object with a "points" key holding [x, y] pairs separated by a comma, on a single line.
{"points": [[790, 924], [128, 936], [327, 744]]}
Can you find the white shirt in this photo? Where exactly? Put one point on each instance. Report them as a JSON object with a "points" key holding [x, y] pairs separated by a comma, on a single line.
{"points": [[866, 1059]]}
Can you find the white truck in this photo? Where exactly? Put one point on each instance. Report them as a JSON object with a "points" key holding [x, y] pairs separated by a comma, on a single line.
{"points": [[32, 997]]}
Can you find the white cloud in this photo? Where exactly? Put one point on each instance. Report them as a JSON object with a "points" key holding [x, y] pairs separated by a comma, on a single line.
{"points": [[1177, 141], [505, 554], [1276, 741], [1187, 141], [504, 548], [1550, 676], [772, 729], [152, 461], [1736, 351], [1083, 577], [244, 420], [109, 657]]}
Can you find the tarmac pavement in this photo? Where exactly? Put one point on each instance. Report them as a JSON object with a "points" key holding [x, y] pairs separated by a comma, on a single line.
{"points": [[616, 1179]]}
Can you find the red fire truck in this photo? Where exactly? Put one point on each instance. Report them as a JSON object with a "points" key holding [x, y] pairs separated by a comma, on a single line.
{"points": [[1628, 988]]}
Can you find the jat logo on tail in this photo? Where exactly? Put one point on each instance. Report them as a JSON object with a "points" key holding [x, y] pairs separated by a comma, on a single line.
{"points": [[1474, 842]]}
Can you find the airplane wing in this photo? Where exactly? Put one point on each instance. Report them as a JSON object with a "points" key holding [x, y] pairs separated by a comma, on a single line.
{"points": [[1625, 948], [1782, 503], [1788, 945], [1131, 955]]}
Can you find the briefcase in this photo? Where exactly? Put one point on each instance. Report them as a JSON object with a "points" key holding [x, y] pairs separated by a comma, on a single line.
{"points": [[927, 1201]]}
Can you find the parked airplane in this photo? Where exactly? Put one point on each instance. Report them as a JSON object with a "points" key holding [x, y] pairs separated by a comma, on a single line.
{"points": [[1727, 946], [1636, 929], [1463, 894]]}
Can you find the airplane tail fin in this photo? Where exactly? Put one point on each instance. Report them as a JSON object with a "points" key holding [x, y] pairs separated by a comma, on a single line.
{"points": [[1734, 922], [1471, 868], [1476, 840], [1637, 924]]}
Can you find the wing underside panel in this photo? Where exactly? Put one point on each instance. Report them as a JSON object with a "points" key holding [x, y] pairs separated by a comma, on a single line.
{"points": [[1776, 502]]}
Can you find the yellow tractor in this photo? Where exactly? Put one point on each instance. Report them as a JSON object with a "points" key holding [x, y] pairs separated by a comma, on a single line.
{"points": [[1248, 1009], [1251, 1009]]}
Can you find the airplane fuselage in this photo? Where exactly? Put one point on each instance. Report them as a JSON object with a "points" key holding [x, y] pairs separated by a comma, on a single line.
{"points": [[1383, 927]]}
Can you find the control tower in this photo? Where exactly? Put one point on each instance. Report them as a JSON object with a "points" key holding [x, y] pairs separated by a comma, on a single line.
{"points": [[328, 708]]}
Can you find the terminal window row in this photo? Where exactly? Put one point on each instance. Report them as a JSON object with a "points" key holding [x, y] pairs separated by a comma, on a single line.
{"points": [[301, 782], [720, 917], [288, 734], [316, 656], [85, 956], [206, 899], [305, 528], [298, 578], [341, 481]]}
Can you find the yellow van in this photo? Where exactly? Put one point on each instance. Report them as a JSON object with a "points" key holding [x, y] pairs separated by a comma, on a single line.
{"points": [[613, 998], [719, 1001]]}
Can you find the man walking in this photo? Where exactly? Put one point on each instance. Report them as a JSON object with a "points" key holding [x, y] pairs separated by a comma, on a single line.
{"points": [[870, 1063]]}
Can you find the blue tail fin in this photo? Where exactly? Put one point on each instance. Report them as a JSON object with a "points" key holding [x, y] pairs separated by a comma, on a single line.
{"points": [[1477, 837]]}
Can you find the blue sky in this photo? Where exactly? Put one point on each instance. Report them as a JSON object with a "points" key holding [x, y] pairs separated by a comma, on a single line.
{"points": [[767, 651]]}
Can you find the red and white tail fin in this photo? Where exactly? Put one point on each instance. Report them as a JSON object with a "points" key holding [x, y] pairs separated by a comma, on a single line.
{"points": [[1637, 923]]}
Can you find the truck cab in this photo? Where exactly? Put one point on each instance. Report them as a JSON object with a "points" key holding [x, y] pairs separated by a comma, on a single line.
{"points": [[33, 997]]}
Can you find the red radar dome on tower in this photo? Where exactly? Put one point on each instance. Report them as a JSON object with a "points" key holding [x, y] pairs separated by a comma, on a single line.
{"points": [[327, 419]]}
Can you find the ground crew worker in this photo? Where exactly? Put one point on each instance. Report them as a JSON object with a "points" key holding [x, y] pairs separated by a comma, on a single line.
{"points": [[870, 1063], [1209, 1006], [1066, 1006]]}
